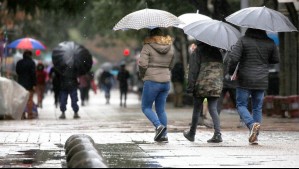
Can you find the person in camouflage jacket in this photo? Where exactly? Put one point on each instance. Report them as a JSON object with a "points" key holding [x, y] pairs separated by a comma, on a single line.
{"points": [[205, 80]]}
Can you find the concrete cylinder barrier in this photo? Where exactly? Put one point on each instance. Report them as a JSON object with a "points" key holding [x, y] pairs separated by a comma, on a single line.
{"points": [[81, 152], [83, 157], [76, 141], [78, 148], [72, 137]]}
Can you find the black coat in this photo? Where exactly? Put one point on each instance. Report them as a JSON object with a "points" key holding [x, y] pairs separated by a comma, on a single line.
{"points": [[25, 69], [255, 51], [68, 79]]}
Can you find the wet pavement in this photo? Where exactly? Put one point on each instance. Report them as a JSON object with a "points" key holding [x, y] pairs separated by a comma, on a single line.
{"points": [[125, 138]]}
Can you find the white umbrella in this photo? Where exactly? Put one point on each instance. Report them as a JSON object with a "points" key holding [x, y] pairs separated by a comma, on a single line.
{"points": [[261, 18], [189, 18], [213, 32], [13, 98], [147, 18]]}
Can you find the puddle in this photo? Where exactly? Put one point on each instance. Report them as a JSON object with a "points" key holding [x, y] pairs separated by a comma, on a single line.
{"points": [[32, 158], [126, 156]]}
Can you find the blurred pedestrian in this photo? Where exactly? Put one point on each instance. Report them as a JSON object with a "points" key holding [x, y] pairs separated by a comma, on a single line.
{"points": [[254, 52], [55, 79], [123, 77], [41, 76], [84, 87], [177, 79], [68, 87], [25, 70], [106, 81], [205, 81], [155, 64]]}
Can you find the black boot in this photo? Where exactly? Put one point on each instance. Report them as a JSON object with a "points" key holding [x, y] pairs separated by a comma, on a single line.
{"points": [[216, 138], [189, 136], [62, 116], [76, 116]]}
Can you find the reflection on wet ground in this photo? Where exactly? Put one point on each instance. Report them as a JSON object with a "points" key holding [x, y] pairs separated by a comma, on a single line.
{"points": [[33, 158], [126, 156]]}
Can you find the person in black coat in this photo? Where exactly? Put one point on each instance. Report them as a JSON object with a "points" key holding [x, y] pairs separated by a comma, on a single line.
{"points": [[253, 52], [68, 86], [123, 77], [55, 79], [25, 70], [177, 79]]}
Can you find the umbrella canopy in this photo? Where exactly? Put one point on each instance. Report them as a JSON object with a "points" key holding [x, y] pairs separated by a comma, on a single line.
{"points": [[261, 18], [72, 55], [213, 32], [147, 18], [13, 98], [27, 43], [189, 18]]}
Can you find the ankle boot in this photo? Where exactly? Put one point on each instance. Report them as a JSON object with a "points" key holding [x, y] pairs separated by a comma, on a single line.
{"points": [[62, 116], [189, 136], [216, 138], [76, 115]]}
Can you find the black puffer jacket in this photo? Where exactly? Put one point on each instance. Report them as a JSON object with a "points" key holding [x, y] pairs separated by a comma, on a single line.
{"points": [[68, 79], [255, 51]]}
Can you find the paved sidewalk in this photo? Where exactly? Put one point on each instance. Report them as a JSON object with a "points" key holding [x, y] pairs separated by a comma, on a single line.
{"points": [[125, 138]]}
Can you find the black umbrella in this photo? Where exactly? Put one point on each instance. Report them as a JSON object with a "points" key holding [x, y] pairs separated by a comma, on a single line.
{"points": [[72, 55]]}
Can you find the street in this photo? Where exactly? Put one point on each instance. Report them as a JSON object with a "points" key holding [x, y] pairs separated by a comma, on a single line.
{"points": [[125, 138]]}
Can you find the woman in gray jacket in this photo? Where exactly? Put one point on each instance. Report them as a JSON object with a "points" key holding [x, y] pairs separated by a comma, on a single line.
{"points": [[155, 63], [254, 52]]}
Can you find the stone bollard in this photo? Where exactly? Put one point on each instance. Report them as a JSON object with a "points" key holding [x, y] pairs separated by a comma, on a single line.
{"points": [[78, 148], [76, 141], [86, 157], [81, 153], [72, 137]]}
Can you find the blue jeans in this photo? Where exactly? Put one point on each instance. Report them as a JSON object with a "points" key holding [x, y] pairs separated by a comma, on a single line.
{"points": [[63, 99], [155, 92], [257, 97]]}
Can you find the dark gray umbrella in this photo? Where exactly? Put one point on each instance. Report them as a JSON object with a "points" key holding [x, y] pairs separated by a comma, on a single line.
{"points": [[72, 55]]}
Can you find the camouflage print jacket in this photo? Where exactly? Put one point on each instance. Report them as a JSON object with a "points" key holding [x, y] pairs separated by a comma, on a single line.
{"points": [[205, 76]]}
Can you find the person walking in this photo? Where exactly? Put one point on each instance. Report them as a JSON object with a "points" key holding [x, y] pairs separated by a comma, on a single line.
{"points": [[254, 52], [41, 76], [205, 81], [84, 87], [68, 86], [177, 79], [155, 64], [25, 69], [106, 80], [123, 77], [55, 79]]}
